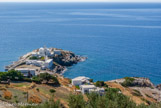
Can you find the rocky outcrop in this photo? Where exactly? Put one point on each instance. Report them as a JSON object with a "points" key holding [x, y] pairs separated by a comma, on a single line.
{"points": [[137, 89], [135, 81], [143, 82], [59, 69], [67, 58], [158, 87]]}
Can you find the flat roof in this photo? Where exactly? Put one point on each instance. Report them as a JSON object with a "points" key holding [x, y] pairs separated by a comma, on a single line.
{"points": [[80, 78], [24, 69], [88, 86]]}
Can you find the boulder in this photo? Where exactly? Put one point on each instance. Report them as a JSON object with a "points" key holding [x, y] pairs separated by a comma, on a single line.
{"points": [[158, 87]]}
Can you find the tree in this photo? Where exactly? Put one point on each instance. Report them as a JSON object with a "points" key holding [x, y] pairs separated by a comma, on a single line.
{"points": [[100, 84], [45, 77], [36, 79], [91, 80], [92, 100], [52, 91], [15, 75], [12, 75], [128, 82], [34, 58], [76, 101]]}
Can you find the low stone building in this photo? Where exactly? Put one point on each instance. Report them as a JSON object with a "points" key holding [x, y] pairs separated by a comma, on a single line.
{"points": [[26, 71]]}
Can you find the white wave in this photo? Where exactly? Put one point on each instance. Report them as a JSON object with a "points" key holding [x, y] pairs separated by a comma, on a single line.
{"points": [[99, 14], [131, 17], [110, 25], [63, 71]]}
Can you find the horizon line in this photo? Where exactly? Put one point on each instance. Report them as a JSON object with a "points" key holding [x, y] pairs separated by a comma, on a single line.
{"points": [[76, 2]]}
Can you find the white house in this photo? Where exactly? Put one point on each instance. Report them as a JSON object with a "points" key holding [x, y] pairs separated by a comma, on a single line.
{"points": [[86, 88], [91, 88], [97, 90], [27, 72], [80, 80], [48, 63]]}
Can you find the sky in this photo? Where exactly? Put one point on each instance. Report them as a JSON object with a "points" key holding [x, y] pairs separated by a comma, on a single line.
{"points": [[80, 0]]}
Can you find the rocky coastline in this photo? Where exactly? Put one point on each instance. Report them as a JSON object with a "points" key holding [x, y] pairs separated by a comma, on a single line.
{"points": [[62, 59], [66, 59], [137, 88]]}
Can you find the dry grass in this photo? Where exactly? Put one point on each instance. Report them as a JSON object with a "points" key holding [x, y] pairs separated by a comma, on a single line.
{"points": [[7, 95], [126, 91], [35, 99]]}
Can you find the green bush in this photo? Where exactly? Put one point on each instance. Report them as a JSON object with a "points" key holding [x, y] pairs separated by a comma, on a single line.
{"points": [[34, 58], [100, 84], [45, 77], [36, 79], [27, 79], [42, 58], [12, 75], [77, 86], [76, 101], [128, 82], [112, 99], [91, 80], [129, 78], [37, 89], [52, 91]]}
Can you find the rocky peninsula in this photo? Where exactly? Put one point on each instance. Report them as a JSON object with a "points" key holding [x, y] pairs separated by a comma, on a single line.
{"points": [[51, 60]]}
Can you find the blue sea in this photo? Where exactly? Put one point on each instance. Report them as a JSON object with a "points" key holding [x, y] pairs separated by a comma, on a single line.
{"points": [[119, 39]]}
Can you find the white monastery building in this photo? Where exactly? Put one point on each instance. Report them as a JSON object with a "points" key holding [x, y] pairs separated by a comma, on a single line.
{"points": [[43, 51]]}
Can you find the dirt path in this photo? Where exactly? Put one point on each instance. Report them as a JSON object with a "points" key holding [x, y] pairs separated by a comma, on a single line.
{"points": [[5, 105]]}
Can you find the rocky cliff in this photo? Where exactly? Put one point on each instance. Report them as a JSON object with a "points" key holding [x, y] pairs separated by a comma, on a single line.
{"points": [[143, 82], [67, 58]]}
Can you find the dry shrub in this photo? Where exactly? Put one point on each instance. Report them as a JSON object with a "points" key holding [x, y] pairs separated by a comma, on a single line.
{"points": [[7, 95], [32, 85], [35, 99], [3, 88]]}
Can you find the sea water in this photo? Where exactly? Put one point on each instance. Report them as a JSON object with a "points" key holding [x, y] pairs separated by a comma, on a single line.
{"points": [[119, 39]]}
